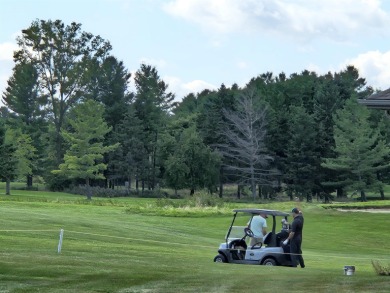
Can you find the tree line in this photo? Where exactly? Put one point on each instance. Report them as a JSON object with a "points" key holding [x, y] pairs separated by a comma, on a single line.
{"points": [[70, 118]]}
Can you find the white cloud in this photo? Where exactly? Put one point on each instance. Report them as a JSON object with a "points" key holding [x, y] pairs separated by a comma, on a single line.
{"points": [[339, 20], [242, 65], [196, 86], [182, 89], [3, 85], [174, 86], [375, 67], [5, 74], [158, 64], [3, 81], [7, 51]]}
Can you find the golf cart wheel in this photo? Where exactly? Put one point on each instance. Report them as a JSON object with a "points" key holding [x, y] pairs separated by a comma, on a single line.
{"points": [[220, 258], [269, 262]]}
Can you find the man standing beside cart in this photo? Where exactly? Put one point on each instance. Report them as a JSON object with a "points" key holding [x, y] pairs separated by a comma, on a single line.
{"points": [[295, 238]]}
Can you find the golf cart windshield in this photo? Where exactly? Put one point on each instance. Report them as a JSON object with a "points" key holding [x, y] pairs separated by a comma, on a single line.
{"points": [[236, 232]]}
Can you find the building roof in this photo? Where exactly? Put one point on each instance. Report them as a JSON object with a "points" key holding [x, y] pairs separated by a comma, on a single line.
{"points": [[379, 100]]}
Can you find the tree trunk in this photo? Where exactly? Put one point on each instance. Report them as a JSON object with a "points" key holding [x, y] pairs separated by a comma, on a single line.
{"points": [[58, 144], [290, 194], [363, 195], [89, 191], [29, 182], [238, 191], [326, 197], [339, 192], [379, 177], [8, 187], [253, 183], [154, 162], [309, 197], [220, 182], [129, 180], [192, 191]]}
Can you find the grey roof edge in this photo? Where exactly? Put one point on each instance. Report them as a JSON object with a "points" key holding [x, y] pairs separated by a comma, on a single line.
{"points": [[377, 104], [378, 100], [381, 95], [261, 211]]}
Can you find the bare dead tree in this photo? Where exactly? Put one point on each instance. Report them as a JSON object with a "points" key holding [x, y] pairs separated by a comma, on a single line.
{"points": [[245, 149]]}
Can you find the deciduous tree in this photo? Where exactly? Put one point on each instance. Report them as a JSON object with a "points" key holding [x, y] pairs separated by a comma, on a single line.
{"points": [[61, 55], [245, 147]]}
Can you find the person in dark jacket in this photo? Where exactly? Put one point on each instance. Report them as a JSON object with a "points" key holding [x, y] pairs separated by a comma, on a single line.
{"points": [[295, 238]]}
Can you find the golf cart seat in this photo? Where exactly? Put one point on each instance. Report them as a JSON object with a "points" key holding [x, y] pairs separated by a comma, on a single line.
{"points": [[238, 248], [267, 238], [238, 244]]}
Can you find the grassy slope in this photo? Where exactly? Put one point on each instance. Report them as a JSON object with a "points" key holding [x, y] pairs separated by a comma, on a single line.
{"points": [[106, 248]]}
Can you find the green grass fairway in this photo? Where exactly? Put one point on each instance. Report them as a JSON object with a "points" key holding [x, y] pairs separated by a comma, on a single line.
{"points": [[113, 245]]}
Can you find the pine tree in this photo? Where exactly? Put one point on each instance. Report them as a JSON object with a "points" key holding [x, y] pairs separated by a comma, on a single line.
{"points": [[8, 162], [301, 157], [152, 105], [360, 149], [23, 97], [86, 135]]}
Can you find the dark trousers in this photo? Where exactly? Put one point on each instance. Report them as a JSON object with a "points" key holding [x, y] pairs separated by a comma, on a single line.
{"points": [[296, 252]]}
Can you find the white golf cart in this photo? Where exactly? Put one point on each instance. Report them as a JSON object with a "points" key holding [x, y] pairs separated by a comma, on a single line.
{"points": [[271, 252]]}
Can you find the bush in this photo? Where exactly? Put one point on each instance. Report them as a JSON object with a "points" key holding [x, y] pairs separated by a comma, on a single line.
{"points": [[197, 201], [57, 182], [96, 191], [206, 200], [167, 202], [381, 269]]}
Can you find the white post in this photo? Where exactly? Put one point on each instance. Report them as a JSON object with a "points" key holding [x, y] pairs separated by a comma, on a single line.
{"points": [[60, 242]]}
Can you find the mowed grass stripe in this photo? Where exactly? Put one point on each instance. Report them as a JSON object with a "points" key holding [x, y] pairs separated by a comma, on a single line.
{"points": [[107, 249]]}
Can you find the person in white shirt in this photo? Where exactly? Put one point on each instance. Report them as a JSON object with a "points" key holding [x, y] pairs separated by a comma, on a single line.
{"points": [[258, 225]]}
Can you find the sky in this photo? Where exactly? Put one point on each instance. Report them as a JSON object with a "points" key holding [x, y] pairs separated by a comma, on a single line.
{"points": [[201, 44]]}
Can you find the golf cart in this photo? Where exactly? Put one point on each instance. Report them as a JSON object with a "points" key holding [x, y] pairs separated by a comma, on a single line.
{"points": [[270, 252]]}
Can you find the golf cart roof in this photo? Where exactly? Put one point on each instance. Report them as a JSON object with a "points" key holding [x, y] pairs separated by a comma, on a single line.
{"points": [[260, 211]]}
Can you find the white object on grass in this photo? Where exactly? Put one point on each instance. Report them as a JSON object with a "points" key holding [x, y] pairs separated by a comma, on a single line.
{"points": [[60, 242]]}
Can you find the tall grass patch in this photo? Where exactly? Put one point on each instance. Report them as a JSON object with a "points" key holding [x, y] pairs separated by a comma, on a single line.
{"points": [[381, 268]]}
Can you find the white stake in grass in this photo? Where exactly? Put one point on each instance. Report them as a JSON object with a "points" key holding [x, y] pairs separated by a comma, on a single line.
{"points": [[60, 242]]}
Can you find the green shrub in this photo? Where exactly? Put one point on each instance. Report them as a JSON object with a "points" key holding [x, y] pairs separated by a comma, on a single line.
{"points": [[199, 200], [167, 202], [205, 200], [96, 191], [380, 268]]}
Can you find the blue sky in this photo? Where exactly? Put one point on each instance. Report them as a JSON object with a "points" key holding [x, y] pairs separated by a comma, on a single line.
{"points": [[198, 44]]}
